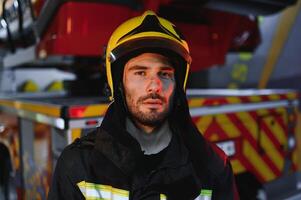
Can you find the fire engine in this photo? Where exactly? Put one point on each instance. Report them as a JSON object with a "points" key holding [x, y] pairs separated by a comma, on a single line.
{"points": [[255, 128]]}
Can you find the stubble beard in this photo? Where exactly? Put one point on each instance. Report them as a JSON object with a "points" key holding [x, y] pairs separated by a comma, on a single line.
{"points": [[153, 117]]}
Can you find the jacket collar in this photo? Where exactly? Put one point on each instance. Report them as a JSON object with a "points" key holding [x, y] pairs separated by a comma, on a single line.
{"points": [[126, 158], [117, 145]]}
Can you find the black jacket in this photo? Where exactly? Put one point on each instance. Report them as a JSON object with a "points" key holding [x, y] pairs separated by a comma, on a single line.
{"points": [[109, 159]]}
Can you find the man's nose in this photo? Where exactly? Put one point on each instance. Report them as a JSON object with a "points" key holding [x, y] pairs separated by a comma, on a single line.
{"points": [[155, 85]]}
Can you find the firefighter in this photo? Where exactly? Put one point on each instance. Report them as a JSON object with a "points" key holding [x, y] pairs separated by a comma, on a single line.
{"points": [[147, 146]]}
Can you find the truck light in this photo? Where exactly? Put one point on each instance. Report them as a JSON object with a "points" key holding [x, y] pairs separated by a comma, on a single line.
{"points": [[2, 127], [77, 112], [291, 143], [91, 122], [3, 23], [16, 4], [228, 147]]}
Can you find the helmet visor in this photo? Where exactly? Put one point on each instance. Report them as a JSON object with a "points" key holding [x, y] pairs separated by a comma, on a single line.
{"points": [[142, 44]]}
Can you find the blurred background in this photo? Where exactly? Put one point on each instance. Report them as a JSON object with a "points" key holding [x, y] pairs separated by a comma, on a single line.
{"points": [[243, 88]]}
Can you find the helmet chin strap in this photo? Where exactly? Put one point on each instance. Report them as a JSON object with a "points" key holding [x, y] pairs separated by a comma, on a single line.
{"points": [[123, 99]]}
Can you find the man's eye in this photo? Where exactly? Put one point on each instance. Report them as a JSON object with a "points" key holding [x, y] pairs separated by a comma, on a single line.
{"points": [[168, 75], [140, 73]]}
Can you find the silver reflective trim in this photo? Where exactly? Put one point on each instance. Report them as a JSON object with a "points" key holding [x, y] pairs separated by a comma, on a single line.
{"points": [[56, 122], [235, 92], [228, 147], [112, 56], [69, 136], [82, 123], [229, 108]]}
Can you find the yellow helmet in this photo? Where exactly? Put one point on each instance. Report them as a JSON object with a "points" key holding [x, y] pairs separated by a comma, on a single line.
{"points": [[146, 33]]}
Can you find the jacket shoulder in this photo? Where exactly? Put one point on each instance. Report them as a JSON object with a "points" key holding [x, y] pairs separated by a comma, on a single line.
{"points": [[220, 168], [71, 168], [75, 156], [218, 161]]}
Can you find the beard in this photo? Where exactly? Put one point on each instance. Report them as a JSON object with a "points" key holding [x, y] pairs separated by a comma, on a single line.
{"points": [[152, 117]]}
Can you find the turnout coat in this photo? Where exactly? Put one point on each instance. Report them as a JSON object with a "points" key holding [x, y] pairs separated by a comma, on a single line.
{"points": [[109, 164]]}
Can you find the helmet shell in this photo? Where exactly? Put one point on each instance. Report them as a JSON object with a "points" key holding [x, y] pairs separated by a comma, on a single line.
{"points": [[144, 33]]}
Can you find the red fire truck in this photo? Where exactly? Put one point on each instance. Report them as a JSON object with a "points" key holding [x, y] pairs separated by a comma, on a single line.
{"points": [[256, 128]]}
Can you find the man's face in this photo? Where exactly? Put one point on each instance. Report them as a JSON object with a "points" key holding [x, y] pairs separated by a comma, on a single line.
{"points": [[149, 83]]}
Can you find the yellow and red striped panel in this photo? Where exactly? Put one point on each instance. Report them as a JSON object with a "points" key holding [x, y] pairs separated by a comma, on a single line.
{"points": [[211, 101], [262, 135]]}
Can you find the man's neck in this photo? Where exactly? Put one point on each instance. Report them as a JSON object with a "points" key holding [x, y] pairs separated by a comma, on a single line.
{"points": [[152, 142], [145, 128]]}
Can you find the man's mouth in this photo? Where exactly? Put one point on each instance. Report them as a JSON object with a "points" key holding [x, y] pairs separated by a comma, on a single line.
{"points": [[153, 101]]}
